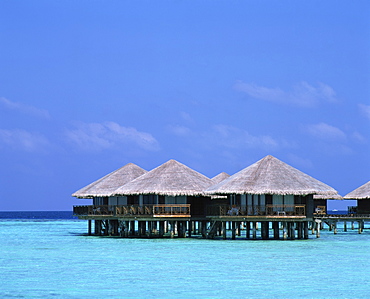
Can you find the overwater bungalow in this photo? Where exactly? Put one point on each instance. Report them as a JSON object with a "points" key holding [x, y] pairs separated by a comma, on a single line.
{"points": [[362, 195], [100, 191], [154, 203], [268, 191]]}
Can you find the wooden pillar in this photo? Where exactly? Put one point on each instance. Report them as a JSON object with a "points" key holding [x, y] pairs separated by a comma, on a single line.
{"points": [[190, 229], [335, 227], [223, 223], [172, 229], [285, 233], [353, 225], [238, 228], [345, 225], [275, 226], [360, 227], [313, 227], [318, 225], [248, 229], [265, 230], [106, 227], [97, 227], [233, 230], [305, 228], [89, 227], [182, 229], [132, 228], [161, 228], [204, 229], [299, 230], [150, 229], [254, 230]]}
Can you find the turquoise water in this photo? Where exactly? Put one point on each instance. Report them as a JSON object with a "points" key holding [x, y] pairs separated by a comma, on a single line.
{"points": [[53, 259]]}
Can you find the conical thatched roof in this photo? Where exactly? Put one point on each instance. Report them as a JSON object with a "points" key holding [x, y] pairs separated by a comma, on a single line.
{"points": [[171, 178], [107, 184], [271, 176], [220, 177], [361, 192]]}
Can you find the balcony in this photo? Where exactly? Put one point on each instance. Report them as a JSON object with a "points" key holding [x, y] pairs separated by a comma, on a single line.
{"points": [[263, 210], [159, 210]]}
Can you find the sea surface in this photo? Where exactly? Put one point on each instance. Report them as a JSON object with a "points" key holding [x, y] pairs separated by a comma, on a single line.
{"points": [[49, 255]]}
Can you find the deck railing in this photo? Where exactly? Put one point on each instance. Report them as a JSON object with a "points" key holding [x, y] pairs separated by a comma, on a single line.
{"points": [[133, 210], [262, 210]]}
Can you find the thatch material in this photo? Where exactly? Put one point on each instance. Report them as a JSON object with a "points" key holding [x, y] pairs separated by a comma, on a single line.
{"points": [[171, 178], [362, 192], [271, 176], [322, 196], [220, 177], [107, 184]]}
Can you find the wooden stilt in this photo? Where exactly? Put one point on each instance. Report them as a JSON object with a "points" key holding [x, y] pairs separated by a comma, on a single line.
{"points": [[248, 229], [254, 230], [265, 230], [299, 230], [223, 230], [345, 225], [161, 228], [233, 230], [292, 230], [89, 227], [172, 229], [360, 227], [318, 225], [275, 226], [285, 233], [305, 228]]}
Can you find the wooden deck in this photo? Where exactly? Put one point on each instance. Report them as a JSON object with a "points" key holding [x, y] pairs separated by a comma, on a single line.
{"points": [[263, 211], [129, 211]]}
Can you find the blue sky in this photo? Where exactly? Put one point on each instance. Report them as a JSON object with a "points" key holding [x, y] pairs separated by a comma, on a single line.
{"points": [[89, 86]]}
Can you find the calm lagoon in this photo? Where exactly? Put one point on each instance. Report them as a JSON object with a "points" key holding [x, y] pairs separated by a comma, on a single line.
{"points": [[53, 258]]}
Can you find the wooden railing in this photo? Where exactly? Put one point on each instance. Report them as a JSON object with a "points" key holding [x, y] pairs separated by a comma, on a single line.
{"points": [[133, 210], [263, 210]]}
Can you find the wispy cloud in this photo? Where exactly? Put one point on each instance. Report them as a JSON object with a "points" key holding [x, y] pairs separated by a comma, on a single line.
{"points": [[23, 140], [365, 110], [23, 108], [179, 130], [232, 137], [326, 132], [302, 94], [100, 136]]}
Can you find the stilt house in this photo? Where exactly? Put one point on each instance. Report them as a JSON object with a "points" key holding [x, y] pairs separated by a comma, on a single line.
{"points": [[362, 194]]}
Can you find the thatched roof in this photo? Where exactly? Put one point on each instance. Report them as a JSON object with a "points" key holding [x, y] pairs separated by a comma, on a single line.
{"points": [[333, 196], [107, 184], [171, 178], [271, 176], [220, 177], [361, 192]]}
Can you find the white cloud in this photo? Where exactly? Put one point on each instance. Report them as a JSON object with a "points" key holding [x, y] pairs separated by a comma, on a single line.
{"points": [[365, 110], [100, 136], [231, 137], [358, 137], [325, 131], [23, 140], [179, 130], [302, 94], [23, 108]]}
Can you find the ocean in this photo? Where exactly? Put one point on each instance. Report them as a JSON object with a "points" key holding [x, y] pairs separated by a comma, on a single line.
{"points": [[49, 255]]}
